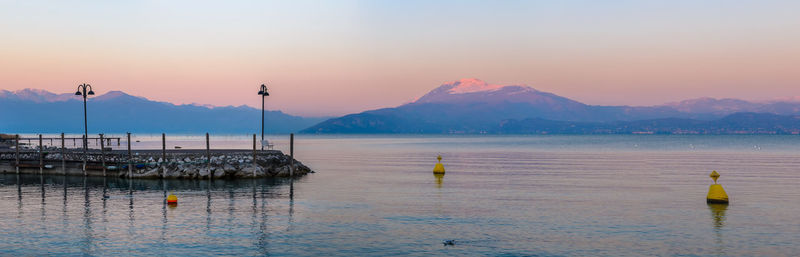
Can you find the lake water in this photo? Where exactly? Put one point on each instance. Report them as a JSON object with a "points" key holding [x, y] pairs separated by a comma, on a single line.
{"points": [[376, 195]]}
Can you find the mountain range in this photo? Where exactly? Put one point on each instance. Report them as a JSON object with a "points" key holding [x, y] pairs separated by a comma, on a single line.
{"points": [[474, 106], [465, 106], [39, 111]]}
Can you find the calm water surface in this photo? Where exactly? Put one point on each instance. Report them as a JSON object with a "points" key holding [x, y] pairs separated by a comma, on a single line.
{"points": [[376, 195]]}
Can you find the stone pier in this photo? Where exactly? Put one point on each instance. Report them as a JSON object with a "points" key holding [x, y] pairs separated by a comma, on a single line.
{"points": [[183, 164]]}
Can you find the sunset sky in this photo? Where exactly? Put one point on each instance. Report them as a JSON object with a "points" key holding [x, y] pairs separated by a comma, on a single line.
{"points": [[338, 57]]}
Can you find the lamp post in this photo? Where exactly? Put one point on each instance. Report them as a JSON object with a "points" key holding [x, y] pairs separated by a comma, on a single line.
{"points": [[263, 92], [82, 92]]}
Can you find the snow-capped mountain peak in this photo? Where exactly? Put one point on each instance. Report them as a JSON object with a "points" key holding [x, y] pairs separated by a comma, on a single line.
{"points": [[475, 90], [470, 85]]}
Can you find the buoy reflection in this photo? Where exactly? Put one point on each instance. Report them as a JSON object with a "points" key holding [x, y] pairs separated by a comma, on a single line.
{"points": [[718, 214], [439, 179], [718, 218]]}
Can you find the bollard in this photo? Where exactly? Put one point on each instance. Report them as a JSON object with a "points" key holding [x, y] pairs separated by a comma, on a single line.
{"points": [[63, 156], [130, 157], [291, 155], [85, 147], [208, 158], [16, 148], [41, 155], [103, 154], [255, 164], [119, 163], [163, 154]]}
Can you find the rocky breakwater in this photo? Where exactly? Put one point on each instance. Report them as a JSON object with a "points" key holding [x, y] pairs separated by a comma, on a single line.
{"points": [[182, 164], [225, 165], [222, 165]]}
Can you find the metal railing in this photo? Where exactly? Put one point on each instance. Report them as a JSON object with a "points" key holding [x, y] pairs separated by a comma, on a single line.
{"points": [[121, 159]]}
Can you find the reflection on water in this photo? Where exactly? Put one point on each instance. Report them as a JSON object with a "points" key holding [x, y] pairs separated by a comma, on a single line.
{"points": [[439, 179], [107, 205], [512, 196], [718, 217], [718, 214]]}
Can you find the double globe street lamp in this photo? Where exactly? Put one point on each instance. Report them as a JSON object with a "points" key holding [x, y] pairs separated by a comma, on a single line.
{"points": [[263, 93], [82, 92]]}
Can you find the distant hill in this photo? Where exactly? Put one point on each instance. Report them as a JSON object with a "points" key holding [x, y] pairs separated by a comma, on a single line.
{"points": [[727, 106], [474, 106], [38, 111], [739, 123]]}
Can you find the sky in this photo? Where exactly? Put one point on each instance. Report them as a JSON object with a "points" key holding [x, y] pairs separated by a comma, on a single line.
{"points": [[326, 58]]}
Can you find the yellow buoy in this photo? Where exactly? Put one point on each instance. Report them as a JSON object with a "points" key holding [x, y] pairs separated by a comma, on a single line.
{"points": [[715, 192], [172, 199], [438, 168]]}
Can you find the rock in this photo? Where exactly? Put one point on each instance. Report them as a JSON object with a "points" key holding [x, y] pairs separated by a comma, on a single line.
{"points": [[218, 173], [173, 174], [153, 173], [229, 167], [260, 172], [203, 173], [283, 171], [189, 174], [241, 173], [192, 172]]}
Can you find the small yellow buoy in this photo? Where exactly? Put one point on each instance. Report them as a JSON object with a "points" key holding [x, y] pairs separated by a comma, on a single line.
{"points": [[438, 168], [715, 192], [172, 199]]}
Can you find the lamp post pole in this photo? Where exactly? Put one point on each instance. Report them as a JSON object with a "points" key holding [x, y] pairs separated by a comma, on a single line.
{"points": [[82, 92], [263, 92]]}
